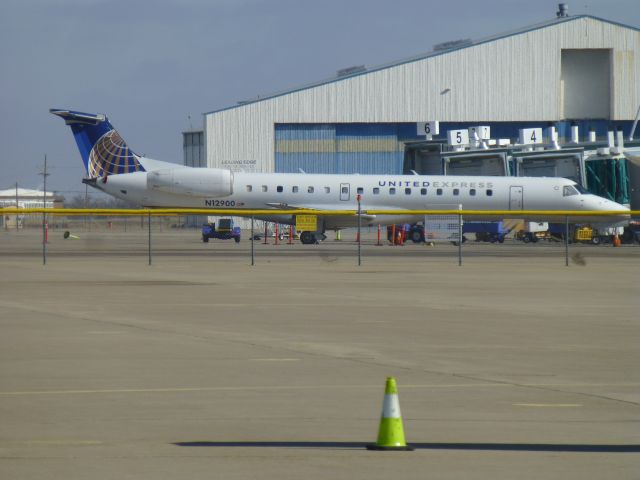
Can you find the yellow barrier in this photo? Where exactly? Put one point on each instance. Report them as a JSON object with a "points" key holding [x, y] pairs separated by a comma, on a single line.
{"points": [[302, 211]]}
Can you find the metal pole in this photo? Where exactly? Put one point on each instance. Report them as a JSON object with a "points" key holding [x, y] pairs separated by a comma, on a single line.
{"points": [[253, 262], [460, 238], [359, 198], [44, 215], [566, 241], [149, 222], [86, 195], [17, 206]]}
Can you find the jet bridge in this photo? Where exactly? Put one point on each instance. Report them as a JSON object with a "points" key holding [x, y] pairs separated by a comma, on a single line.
{"points": [[424, 157], [476, 162], [436, 158], [567, 163]]}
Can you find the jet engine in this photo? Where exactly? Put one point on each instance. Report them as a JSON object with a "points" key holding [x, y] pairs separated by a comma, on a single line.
{"points": [[197, 182]]}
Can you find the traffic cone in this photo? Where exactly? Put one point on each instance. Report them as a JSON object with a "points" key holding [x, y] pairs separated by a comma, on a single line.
{"points": [[616, 241], [391, 431]]}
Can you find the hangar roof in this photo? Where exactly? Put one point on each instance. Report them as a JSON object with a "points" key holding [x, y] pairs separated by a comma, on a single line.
{"points": [[415, 58]]}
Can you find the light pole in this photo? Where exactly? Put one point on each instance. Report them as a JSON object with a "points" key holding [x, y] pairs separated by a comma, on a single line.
{"points": [[44, 215]]}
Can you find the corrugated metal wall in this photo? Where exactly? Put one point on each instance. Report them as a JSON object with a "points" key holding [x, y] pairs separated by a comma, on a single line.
{"points": [[341, 148], [311, 148], [512, 79]]}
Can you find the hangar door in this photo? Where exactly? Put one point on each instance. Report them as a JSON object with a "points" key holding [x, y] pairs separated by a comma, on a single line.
{"points": [[586, 83]]}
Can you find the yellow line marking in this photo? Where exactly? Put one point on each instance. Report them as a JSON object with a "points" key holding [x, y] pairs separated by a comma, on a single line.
{"points": [[296, 387], [548, 405]]}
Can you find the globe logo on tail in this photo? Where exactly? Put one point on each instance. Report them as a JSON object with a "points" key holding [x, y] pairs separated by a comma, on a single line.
{"points": [[111, 155]]}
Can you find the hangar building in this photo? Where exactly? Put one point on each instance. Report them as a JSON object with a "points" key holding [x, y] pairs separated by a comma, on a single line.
{"points": [[571, 70]]}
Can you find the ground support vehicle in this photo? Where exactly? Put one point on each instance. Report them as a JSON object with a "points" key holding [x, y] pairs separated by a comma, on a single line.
{"points": [[631, 232], [414, 232], [486, 231], [225, 231], [586, 234], [532, 232]]}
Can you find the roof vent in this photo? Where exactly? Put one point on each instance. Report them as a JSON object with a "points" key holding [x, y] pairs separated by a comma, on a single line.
{"points": [[563, 10], [463, 42], [351, 70]]}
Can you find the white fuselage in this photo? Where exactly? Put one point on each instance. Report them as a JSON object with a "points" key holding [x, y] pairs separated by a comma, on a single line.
{"points": [[243, 191]]}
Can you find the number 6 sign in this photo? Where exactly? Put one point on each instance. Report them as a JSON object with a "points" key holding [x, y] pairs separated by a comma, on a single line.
{"points": [[428, 128]]}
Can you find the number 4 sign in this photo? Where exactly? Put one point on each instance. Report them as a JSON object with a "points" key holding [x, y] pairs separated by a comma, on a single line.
{"points": [[529, 136]]}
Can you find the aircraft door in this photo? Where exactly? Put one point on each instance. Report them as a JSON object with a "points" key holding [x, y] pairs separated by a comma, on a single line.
{"points": [[515, 198], [345, 192]]}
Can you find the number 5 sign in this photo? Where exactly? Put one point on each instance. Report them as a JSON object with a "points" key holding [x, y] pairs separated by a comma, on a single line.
{"points": [[458, 138]]}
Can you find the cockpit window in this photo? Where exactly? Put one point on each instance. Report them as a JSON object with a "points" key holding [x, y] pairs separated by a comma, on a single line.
{"points": [[569, 190], [581, 189]]}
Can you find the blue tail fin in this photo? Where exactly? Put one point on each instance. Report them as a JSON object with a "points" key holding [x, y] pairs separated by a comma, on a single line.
{"points": [[103, 150]]}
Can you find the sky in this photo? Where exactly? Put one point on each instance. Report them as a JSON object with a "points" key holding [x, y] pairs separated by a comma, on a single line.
{"points": [[155, 66]]}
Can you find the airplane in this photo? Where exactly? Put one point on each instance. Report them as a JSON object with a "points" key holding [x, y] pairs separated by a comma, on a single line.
{"points": [[115, 169]]}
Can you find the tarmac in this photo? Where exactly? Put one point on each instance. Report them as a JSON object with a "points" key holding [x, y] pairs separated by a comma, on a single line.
{"points": [[201, 365]]}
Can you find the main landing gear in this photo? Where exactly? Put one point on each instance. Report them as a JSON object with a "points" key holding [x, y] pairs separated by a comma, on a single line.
{"points": [[310, 238]]}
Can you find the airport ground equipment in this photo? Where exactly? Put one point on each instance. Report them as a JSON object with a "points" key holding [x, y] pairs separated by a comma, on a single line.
{"points": [[585, 234], [631, 232], [486, 231], [532, 232], [225, 231], [391, 430], [414, 232]]}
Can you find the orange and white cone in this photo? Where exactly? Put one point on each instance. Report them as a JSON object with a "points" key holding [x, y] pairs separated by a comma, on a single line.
{"points": [[391, 431]]}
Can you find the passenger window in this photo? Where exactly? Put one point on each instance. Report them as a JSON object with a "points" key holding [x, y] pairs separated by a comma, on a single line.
{"points": [[439, 191], [294, 189], [392, 191], [407, 191], [264, 188], [376, 191], [279, 189], [360, 190], [489, 193], [249, 188], [309, 189], [472, 192], [423, 191], [345, 190], [456, 191], [327, 189]]}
